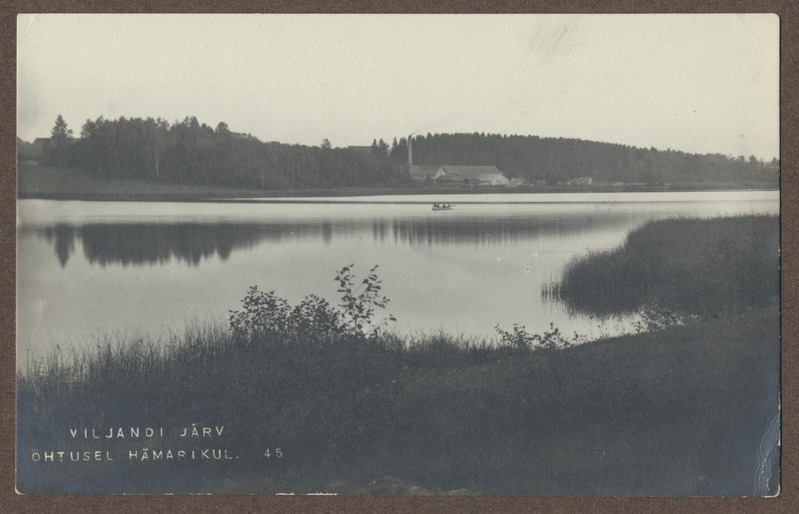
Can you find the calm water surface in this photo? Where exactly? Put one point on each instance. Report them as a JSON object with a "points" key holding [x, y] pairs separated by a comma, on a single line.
{"points": [[89, 269]]}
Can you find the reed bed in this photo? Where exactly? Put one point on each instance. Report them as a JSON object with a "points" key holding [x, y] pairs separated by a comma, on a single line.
{"points": [[683, 267]]}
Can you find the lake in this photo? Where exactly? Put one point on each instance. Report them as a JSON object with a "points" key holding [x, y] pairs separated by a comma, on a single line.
{"points": [[127, 269]]}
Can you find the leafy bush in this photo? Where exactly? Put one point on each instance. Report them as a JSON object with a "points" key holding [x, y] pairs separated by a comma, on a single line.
{"points": [[551, 339], [265, 314], [358, 303], [262, 314]]}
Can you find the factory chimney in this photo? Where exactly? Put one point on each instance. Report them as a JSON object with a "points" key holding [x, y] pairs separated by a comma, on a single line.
{"points": [[410, 151]]}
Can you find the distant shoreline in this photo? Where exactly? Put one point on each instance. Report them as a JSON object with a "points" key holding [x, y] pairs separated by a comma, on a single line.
{"points": [[46, 183]]}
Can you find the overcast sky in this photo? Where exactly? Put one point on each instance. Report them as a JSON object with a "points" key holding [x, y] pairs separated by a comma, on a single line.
{"points": [[697, 83]]}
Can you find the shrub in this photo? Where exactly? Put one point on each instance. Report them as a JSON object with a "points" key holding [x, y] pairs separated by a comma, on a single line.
{"points": [[262, 314], [551, 339], [314, 316], [358, 304], [265, 316]]}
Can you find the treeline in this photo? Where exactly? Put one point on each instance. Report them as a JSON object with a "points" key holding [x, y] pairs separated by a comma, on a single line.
{"points": [[191, 152], [195, 153], [554, 160]]}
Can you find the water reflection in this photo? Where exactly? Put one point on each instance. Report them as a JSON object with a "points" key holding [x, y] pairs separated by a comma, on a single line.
{"points": [[160, 243], [63, 237], [191, 243], [483, 231], [153, 266]]}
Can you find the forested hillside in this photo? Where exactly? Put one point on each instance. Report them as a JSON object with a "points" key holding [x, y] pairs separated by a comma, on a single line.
{"points": [[190, 152], [554, 160]]}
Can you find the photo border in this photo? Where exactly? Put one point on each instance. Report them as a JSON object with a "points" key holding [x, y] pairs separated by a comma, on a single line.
{"points": [[788, 10]]}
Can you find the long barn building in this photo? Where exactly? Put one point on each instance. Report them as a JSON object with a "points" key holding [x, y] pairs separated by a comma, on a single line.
{"points": [[460, 175]]}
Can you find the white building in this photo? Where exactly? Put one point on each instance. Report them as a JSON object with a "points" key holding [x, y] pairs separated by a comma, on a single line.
{"points": [[471, 175]]}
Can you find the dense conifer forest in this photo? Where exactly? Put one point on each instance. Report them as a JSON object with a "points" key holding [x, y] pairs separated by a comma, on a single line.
{"points": [[191, 152]]}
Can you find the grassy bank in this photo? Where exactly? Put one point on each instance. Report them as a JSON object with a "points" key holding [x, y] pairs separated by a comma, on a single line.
{"points": [[70, 184], [678, 411], [316, 397], [54, 183]]}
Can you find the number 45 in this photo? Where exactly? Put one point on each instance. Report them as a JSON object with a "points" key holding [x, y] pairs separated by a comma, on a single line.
{"points": [[278, 453]]}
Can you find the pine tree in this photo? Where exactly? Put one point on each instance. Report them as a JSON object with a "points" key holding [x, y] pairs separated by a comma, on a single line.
{"points": [[60, 142]]}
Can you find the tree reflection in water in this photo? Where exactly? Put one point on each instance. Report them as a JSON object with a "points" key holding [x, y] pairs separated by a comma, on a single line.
{"points": [[190, 243]]}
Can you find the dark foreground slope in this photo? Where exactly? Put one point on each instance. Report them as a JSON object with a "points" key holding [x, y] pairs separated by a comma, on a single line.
{"points": [[686, 410], [682, 411]]}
